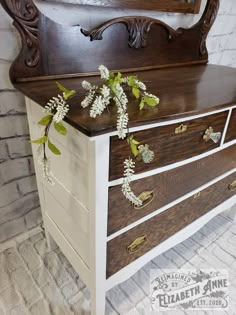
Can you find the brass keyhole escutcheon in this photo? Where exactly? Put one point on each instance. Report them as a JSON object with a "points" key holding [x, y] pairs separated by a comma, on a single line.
{"points": [[181, 129]]}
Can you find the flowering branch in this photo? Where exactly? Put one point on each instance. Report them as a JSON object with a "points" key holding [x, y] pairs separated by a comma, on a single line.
{"points": [[56, 109], [98, 98]]}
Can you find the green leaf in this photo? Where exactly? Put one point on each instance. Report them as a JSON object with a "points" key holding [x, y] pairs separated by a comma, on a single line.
{"points": [[60, 128], [141, 105], [61, 87], [134, 149], [151, 101], [53, 148], [42, 140], [135, 141], [45, 120], [66, 93], [136, 92], [132, 81]]}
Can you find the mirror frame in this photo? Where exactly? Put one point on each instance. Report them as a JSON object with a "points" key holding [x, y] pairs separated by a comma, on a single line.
{"points": [[154, 5]]}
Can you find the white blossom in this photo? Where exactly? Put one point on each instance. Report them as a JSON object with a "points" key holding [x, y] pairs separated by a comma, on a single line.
{"points": [[122, 124], [104, 72], [52, 104], [88, 100], [98, 106], [129, 166], [141, 85], [61, 112], [47, 175], [87, 85], [58, 107], [146, 154], [105, 91]]}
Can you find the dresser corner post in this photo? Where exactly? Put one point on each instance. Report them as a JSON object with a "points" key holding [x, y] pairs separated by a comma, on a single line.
{"points": [[98, 204]]}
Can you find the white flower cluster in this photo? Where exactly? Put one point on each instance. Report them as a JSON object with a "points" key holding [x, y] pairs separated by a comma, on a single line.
{"points": [[98, 102], [141, 85], [121, 101], [146, 154], [58, 107], [129, 166], [47, 175], [86, 85], [104, 72], [98, 106]]}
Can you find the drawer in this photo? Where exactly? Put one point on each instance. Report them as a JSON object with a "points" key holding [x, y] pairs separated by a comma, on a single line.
{"points": [[154, 231], [167, 187], [71, 221], [67, 168], [168, 146], [231, 131]]}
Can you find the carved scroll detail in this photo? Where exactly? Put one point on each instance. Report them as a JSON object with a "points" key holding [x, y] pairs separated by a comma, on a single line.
{"points": [[26, 18], [207, 21], [137, 27]]}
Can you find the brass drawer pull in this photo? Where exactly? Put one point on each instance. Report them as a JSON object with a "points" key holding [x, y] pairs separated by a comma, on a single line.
{"points": [[137, 244], [146, 197], [211, 135], [181, 129], [232, 186]]}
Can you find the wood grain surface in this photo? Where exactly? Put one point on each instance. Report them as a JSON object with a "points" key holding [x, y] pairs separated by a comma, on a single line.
{"points": [[168, 146], [50, 48], [167, 186], [166, 224], [183, 92]]}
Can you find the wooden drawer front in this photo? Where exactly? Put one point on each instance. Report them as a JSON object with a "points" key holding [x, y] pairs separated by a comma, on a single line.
{"points": [[165, 224], [231, 131], [168, 146], [167, 187]]}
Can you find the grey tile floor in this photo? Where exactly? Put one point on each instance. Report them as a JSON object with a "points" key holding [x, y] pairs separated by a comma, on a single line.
{"points": [[35, 280]]}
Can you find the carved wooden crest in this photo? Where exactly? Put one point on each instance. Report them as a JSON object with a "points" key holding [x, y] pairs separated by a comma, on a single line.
{"points": [[137, 27], [50, 49]]}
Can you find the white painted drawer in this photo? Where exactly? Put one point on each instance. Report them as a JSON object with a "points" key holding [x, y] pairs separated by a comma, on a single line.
{"points": [[71, 171], [72, 221]]}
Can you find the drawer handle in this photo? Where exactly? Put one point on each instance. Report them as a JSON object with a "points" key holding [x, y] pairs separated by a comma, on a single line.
{"points": [[181, 129], [232, 186], [211, 135], [146, 197], [137, 244]]}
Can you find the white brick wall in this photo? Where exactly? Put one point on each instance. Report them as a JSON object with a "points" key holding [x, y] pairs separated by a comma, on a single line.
{"points": [[18, 203]]}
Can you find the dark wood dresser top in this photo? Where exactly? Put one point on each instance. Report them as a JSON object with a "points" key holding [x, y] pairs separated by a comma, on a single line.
{"points": [[183, 91]]}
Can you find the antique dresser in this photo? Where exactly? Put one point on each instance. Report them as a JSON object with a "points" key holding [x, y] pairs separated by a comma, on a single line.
{"points": [[193, 134]]}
